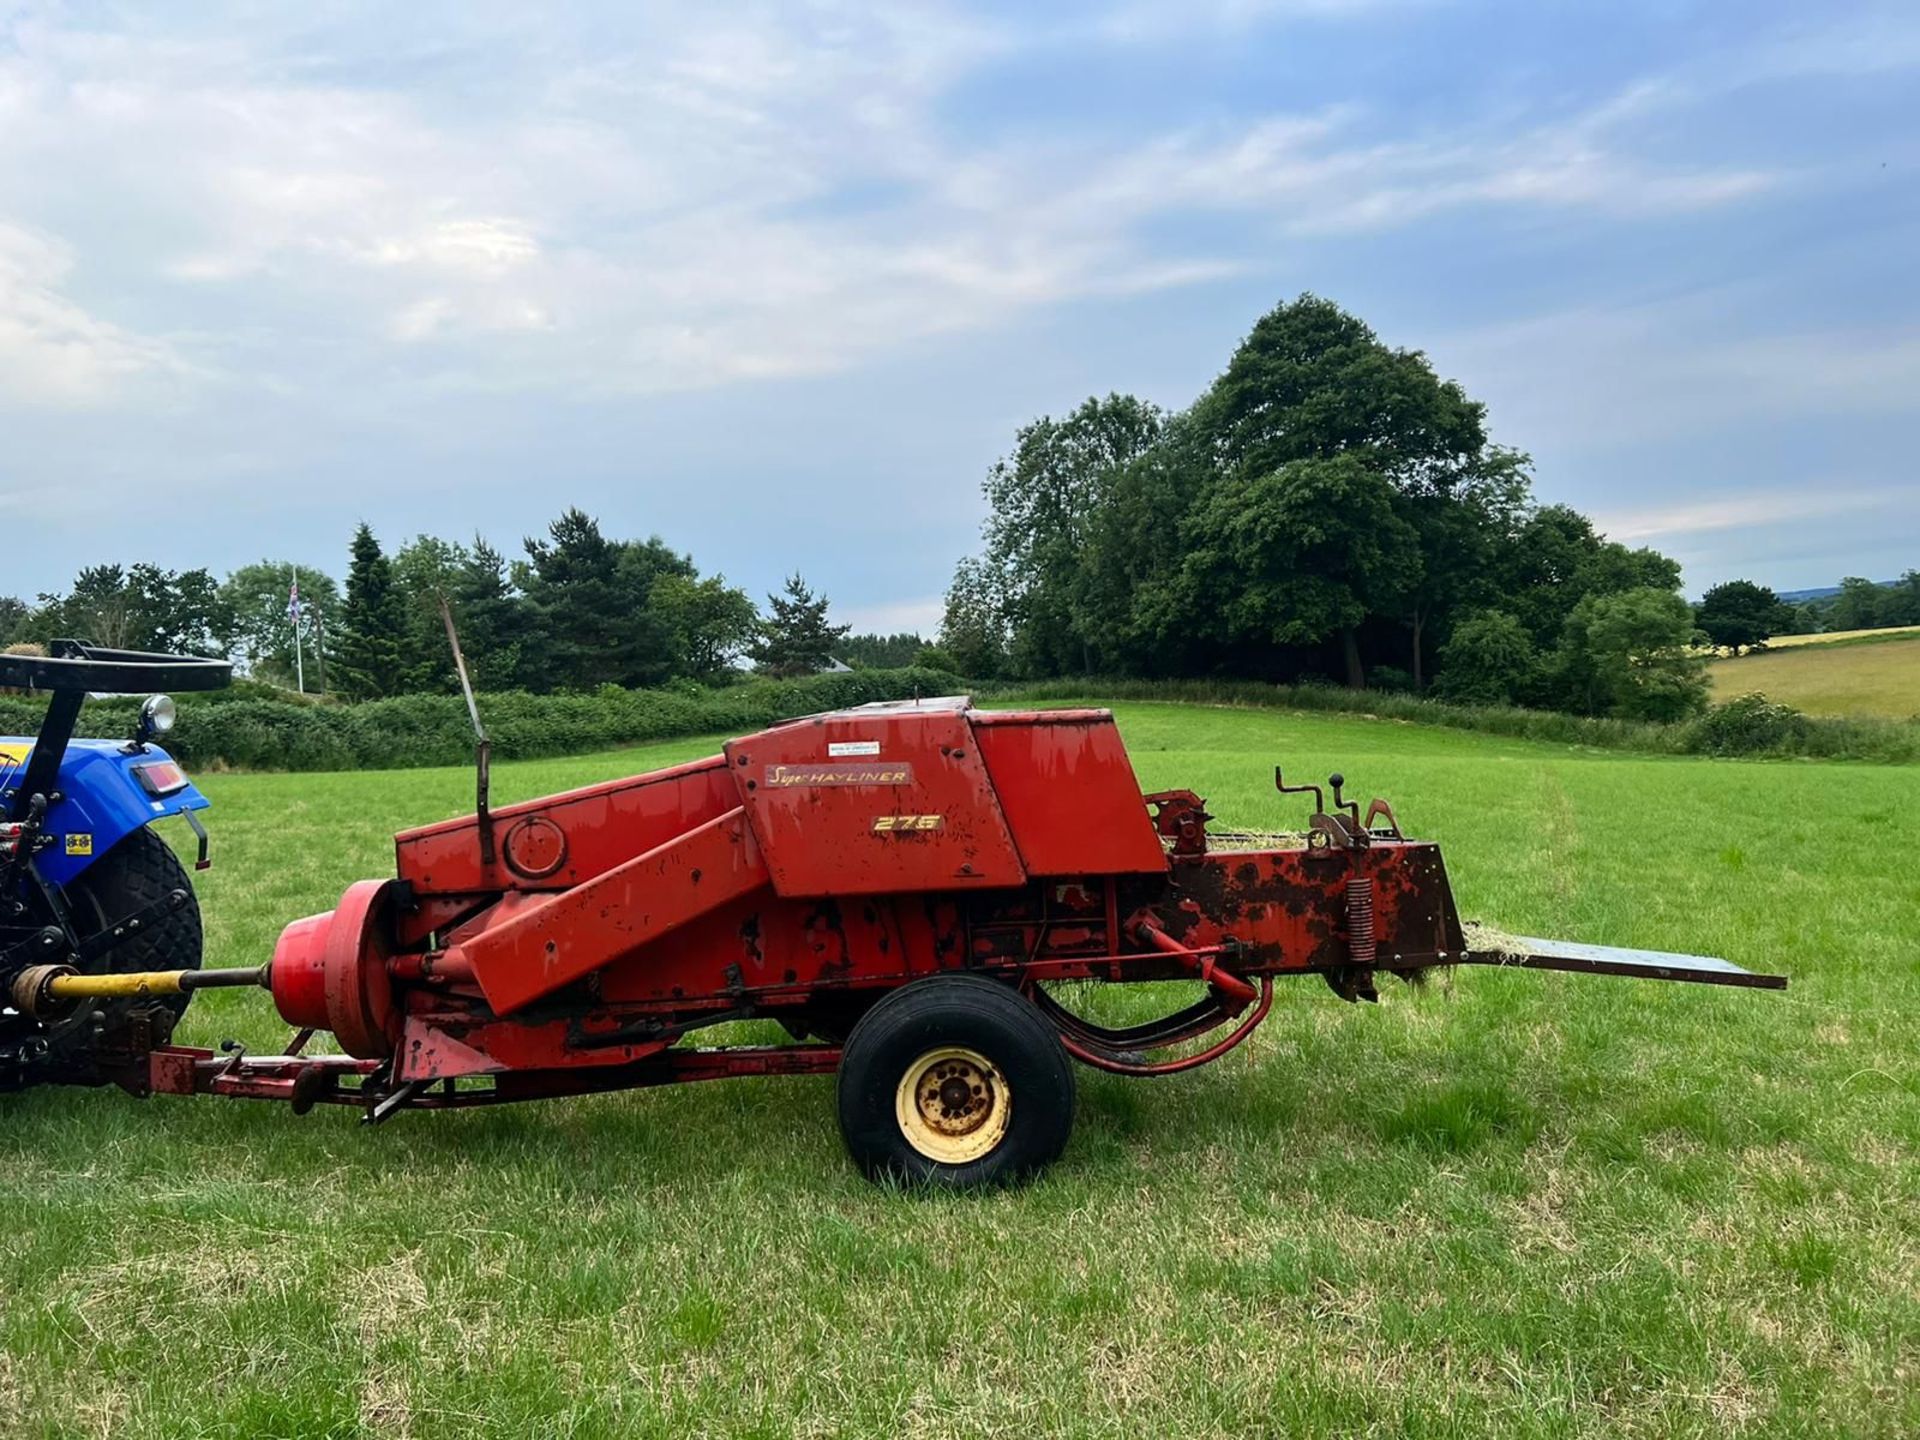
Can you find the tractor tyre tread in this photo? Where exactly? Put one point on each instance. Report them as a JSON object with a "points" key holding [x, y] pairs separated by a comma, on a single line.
{"points": [[137, 872]]}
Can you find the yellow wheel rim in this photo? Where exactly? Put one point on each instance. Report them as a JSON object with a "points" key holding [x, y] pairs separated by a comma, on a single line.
{"points": [[953, 1105]]}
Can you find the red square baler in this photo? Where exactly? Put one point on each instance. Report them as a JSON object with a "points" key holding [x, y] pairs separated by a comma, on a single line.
{"points": [[903, 886]]}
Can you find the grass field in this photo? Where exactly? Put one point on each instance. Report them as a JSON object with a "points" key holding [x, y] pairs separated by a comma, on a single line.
{"points": [[1880, 677], [1842, 637], [1507, 1203]]}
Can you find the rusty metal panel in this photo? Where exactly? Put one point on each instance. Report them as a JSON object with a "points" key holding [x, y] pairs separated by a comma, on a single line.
{"points": [[1069, 792], [875, 800]]}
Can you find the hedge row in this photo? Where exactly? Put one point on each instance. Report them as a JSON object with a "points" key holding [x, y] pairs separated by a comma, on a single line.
{"points": [[273, 734], [1750, 725], [261, 733]]}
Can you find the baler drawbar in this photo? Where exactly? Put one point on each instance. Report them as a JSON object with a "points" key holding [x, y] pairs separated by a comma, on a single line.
{"points": [[903, 886]]}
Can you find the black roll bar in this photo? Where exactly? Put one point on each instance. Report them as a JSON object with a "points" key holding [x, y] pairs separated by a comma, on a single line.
{"points": [[71, 671]]}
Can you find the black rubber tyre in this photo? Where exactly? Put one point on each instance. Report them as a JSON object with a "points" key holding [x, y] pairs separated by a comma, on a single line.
{"points": [[141, 870], [954, 1051]]}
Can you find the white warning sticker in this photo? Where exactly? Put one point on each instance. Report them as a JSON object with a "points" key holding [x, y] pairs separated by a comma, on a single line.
{"points": [[838, 748]]}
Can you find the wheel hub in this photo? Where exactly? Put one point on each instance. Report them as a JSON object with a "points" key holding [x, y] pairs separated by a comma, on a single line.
{"points": [[953, 1105]]}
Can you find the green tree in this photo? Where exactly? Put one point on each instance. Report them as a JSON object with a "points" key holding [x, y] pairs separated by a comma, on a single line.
{"points": [[496, 624], [973, 630], [590, 599], [1553, 558], [1041, 503], [1300, 554], [1857, 606], [1899, 604], [1136, 599], [1311, 381], [1633, 654], [881, 652], [1489, 659], [138, 607], [795, 638], [261, 634], [372, 624], [709, 622], [1459, 529], [1740, 615], [14, 614], [425, 569]]}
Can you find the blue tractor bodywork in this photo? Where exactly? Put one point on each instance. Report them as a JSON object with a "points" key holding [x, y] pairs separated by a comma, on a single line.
{"points": [[108, 789], [83, 889]]}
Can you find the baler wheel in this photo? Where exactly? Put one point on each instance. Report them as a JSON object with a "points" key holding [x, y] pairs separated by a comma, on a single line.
{"points": [[956, 1081]]}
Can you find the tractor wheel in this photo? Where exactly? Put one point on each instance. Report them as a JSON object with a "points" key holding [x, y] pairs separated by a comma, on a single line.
{"points": [[957, 1081], [141, 870]]}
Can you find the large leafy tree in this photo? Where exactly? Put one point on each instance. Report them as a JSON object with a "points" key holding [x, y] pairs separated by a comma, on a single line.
{"points": [[1042, 501], [425, 570], [1633, 653], [372, 624], [1739, 615], [1858, 606], [1314, 384], [262, 633], [795, 637], [709, 624], [973, 632], [1328, 494], [1489, 659], [1294, 555], [138, 607]]}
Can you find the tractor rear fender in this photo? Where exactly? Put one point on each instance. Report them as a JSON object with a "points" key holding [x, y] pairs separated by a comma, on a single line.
{"points": [[108, 789]]}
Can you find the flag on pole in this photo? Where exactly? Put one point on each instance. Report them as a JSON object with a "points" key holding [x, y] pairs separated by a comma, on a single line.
{"points": [[293, 602]]}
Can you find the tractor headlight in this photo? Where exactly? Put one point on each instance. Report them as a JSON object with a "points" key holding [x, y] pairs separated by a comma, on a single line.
{"points": [[156, 717]]}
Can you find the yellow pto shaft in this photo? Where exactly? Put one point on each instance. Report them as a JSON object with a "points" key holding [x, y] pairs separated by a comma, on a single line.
{"points": [[44, 989]]}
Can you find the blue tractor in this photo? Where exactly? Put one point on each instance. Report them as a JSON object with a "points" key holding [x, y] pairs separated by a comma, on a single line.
{"points": [[85, 882]]}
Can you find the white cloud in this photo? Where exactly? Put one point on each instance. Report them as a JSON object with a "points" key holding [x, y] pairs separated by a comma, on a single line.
{"points": [[1816, 499], [52, 351], [713, 197]]}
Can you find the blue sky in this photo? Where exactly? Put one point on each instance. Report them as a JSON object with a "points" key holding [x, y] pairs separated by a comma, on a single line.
{"points": [[779, 282]]}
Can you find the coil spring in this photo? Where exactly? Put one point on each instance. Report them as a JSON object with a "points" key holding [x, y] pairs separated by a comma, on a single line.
{"points": [[1360, 942]]}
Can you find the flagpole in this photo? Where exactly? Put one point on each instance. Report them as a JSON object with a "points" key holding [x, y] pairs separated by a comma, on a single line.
{"points": [[299, 662]]}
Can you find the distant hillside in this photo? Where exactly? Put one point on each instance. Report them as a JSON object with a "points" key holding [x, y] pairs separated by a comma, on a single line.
{"points": [[1796, 597]]}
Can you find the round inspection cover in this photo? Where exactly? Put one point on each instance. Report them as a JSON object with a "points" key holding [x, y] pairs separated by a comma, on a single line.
{"points": [[536, 847]]}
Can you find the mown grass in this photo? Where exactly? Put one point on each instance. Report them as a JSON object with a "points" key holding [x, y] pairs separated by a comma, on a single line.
{"points": [[1510, 1204], [1874, 678]]}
